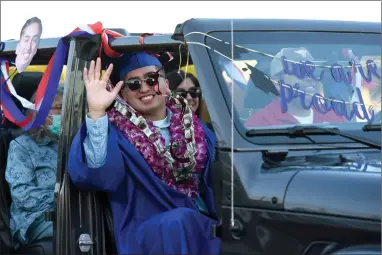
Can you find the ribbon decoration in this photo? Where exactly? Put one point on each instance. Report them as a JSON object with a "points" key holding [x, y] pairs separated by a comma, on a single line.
{"points": [[47, 88], [142, 42], [4, 67]]}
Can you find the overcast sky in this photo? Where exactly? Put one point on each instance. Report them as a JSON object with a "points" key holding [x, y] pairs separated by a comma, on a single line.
{"points": [[60, 18]]}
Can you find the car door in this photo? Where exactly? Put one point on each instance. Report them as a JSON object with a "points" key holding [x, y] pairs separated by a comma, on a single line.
{"points": [[258, 203]]}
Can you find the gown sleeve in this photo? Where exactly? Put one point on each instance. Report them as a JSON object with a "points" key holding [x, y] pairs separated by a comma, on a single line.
{"points": [[95, 158]]}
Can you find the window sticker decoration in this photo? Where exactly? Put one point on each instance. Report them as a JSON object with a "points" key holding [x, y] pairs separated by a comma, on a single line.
{"points": [[354, 74]]}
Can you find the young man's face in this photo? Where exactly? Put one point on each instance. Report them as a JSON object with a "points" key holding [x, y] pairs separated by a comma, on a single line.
{"points": [[145, 99], [27, 46]]}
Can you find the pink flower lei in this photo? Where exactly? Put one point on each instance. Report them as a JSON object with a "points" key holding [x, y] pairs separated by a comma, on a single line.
{"points": [[187, 154]]}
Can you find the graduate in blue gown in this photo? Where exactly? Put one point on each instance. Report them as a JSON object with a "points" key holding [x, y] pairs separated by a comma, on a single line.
{"points": [[152, 156]]}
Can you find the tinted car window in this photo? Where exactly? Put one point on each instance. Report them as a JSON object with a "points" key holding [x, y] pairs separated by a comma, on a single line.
{"points": [[286, 78]]}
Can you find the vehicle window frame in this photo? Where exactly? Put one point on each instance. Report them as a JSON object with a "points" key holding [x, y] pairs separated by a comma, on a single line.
{"points": [[281, 140]]}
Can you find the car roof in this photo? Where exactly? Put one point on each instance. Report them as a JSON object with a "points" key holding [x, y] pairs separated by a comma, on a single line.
{"points": [[47, 46], [248, 24], [286, 25]]}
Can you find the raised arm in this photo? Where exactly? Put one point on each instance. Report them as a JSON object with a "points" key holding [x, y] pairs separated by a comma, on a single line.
{"points": [[95, 159], [95, 143]]}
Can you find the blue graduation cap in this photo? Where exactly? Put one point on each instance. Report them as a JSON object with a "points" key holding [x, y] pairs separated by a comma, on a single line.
{"points": [[130, 62]]}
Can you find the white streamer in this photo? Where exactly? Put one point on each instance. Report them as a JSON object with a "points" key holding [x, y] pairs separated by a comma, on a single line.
{"points": [[25, 103]]}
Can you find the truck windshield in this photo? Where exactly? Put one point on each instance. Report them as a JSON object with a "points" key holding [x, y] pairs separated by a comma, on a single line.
{"points": [[281, 79]]}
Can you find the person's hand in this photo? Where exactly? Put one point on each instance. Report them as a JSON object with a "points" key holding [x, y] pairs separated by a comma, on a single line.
{"points": [[98, 97]]}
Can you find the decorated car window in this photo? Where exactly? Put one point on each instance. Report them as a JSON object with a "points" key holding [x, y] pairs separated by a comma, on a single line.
{"points": [[289, 78]]}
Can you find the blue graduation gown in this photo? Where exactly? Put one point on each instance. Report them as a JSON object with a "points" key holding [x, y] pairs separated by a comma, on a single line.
{"points": [[149, 217]]}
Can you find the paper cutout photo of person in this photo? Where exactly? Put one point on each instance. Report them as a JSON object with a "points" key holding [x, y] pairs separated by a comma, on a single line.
{"points": [[29, 40]]}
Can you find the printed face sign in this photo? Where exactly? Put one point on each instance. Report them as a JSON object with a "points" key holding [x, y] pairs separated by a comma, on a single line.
{"points": [[27, 46]]}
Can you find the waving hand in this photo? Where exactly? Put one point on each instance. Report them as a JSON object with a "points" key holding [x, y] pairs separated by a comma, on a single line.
{"points": [[98, 97]]}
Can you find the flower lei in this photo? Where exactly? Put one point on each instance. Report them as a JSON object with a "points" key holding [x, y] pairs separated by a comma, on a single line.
{"points": [[187, 153]]}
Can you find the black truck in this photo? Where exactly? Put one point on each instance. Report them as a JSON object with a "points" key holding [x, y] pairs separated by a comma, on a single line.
{"points": [[282, 186]]}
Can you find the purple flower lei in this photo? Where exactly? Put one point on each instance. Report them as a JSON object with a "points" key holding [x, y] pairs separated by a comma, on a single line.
{"points": [[187, 154]]}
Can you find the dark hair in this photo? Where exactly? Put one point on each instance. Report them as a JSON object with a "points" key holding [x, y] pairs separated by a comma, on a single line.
{"points": [[30, 22], [176, 77]]}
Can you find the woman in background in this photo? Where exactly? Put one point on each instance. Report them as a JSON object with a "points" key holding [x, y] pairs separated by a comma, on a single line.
{"points": [[31, 175], [187, 86]]}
